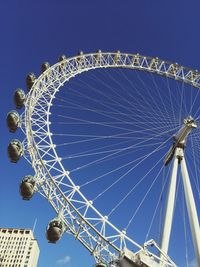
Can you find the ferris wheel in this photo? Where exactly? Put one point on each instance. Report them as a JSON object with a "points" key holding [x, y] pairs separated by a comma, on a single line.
{"points": [[114, 142]]}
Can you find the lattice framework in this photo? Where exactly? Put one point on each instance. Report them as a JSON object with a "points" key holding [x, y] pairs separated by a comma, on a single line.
{"points": [[81, 218]]}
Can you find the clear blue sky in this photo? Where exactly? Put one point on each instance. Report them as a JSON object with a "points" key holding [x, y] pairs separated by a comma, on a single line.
{"points": [[37, 31]]}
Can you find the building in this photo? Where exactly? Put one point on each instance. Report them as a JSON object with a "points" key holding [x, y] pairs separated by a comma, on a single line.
{"points": [[18, 248]]}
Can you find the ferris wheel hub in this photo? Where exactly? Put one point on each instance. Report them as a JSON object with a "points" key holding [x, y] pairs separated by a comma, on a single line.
{"points": [[188, 124], [180, 138]]}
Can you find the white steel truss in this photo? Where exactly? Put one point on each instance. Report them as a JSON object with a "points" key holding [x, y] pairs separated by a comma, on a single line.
{"points": [[81, 219]]}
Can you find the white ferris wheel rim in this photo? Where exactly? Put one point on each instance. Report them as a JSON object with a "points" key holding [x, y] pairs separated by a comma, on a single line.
{"points": [[37, 115]]}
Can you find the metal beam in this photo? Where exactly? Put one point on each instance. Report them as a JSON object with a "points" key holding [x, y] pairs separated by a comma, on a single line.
{"points": [[168, 217], [192, 212]]}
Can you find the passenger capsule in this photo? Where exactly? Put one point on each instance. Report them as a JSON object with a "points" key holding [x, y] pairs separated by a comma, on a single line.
{"points": [[80, 57], [98, 56], [13, 121], [173, 68], [61, 58], [154, 63], [80, 53], [27, 187], [45, 66], [136, 60], [15, 150], [54, 231], [30, 79], [19, 98], [100, 265], [62, 65], [117, 56]]}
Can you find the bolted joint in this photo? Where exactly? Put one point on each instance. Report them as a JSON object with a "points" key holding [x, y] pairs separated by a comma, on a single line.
{"points": [[179, 154]]}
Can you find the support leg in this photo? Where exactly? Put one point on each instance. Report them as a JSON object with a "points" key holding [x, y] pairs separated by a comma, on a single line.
{"points": [[192, 212], [169, 207]]}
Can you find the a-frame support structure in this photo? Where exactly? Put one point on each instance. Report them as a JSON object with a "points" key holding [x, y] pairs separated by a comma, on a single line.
{"points": [[176, 153]]}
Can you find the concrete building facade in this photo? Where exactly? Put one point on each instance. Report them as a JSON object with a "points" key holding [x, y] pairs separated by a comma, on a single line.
{"points": [[18, 248]]}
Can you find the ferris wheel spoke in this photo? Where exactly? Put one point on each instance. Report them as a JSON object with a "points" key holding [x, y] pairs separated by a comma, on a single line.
{"points": [[127, 172], [99, 149], [109, 157], [112, 100], [193, 98], [126, 101], [125, 89], [165, 107], [105, 112], [143, 199], [117, 118], [120, 136], [119, 96], [160, 113], [148, 131], [170, 98], [139, 113], [144, 99], [109, 124], [136, 160], [107, 151], [138, 110], [175, 92], [173, 105], [149, 93], [196, 116], [156, 210], [122, 88], [132, 104], [134, 187], [114, 154], [182, 103]]}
